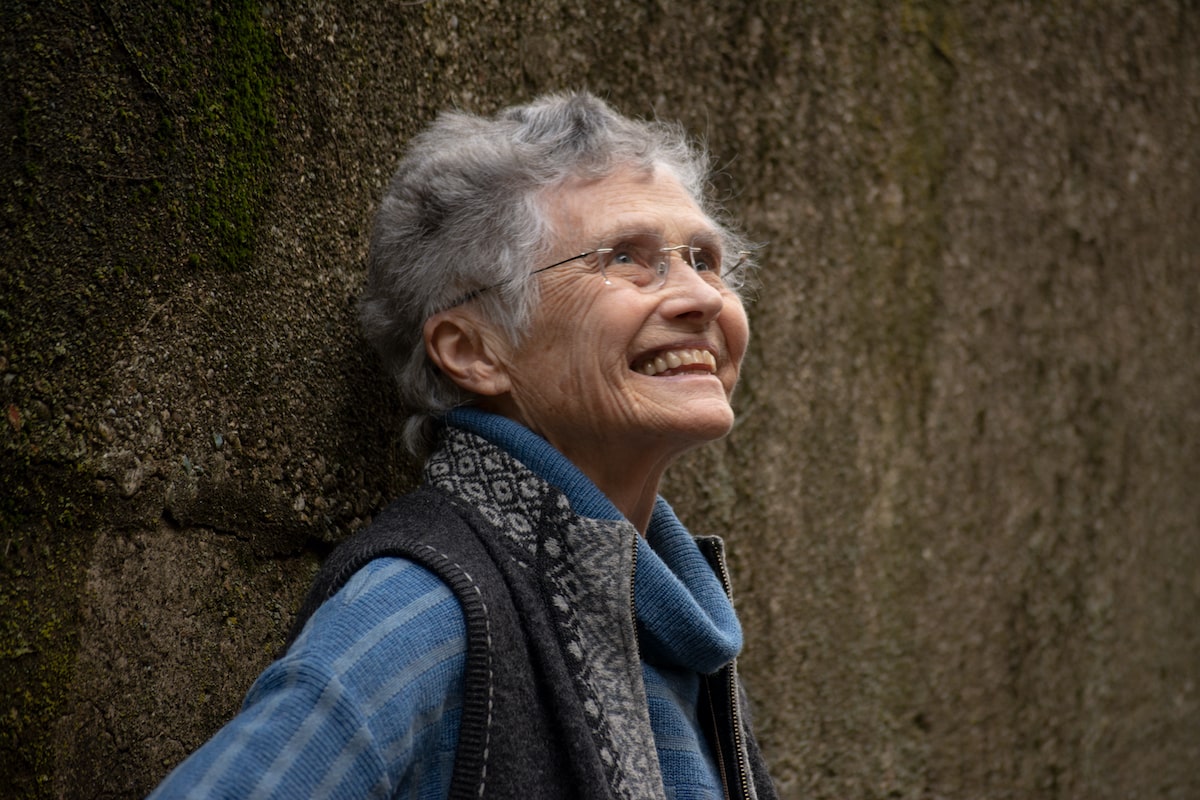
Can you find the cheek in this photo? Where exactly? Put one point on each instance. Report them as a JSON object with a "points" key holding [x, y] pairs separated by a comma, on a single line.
{"points": [[564, 364], [736, 328]]}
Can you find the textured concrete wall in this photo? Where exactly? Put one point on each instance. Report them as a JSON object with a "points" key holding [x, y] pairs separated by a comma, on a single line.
{"points": [[961, 498]]}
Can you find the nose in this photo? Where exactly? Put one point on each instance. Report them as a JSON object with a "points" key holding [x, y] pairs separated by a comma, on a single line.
{"points": [[686, 295]]}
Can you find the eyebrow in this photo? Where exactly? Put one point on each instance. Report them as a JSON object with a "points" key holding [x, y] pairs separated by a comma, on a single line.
{"points": [[704, 237]]}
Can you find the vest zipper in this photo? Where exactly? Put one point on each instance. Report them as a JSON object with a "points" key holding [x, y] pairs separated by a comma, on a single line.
{"points": [[637, 644], [739, 745]]}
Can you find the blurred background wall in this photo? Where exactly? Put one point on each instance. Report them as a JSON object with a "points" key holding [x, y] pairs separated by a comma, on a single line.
{"points": [[963, 498]]}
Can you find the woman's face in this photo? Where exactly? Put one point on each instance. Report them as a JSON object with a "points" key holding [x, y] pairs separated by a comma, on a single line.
{"points": [[589, 376]]}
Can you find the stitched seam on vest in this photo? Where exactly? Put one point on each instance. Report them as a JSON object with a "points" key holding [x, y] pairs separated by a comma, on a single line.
{"points": [[491, 683]]}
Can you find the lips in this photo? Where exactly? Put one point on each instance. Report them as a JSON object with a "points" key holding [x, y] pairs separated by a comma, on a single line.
{"points": [[672, 362]]}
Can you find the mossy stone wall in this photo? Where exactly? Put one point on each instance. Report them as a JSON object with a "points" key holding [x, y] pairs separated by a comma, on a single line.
{"points": [[961, 496]]}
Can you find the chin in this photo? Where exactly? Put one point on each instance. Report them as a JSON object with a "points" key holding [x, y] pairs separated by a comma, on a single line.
{"points": [[703, 425]]}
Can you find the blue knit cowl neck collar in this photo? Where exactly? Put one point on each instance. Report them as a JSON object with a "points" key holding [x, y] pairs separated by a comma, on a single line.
{"points": [[685, 619]]}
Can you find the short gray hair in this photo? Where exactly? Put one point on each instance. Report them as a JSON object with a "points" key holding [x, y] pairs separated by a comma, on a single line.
{"points": [[464, 211]]}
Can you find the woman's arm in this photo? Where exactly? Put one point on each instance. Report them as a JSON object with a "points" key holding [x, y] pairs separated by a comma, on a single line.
{"points": [[366, 701]]}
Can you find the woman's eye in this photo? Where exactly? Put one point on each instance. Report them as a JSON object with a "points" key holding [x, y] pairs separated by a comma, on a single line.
{"points": [[703, 262]]}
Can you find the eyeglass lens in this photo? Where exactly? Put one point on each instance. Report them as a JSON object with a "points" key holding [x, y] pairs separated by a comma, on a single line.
{"points": [[645, 261]]}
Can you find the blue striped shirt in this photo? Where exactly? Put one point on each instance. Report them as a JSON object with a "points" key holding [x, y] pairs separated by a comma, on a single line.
{"points": [[365, 703]]}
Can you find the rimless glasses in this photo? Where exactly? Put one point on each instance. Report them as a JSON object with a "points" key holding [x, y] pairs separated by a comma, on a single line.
{"points": [[644, 262]]}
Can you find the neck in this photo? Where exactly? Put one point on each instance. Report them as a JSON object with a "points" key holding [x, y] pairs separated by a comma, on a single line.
{"points": [[631, 484]]}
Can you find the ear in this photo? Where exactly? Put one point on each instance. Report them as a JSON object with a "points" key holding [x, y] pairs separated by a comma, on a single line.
{"points": [[468, 351]]}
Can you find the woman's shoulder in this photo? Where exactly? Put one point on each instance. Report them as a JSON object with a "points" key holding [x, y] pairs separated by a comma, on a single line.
{"points": [[391, 608]]}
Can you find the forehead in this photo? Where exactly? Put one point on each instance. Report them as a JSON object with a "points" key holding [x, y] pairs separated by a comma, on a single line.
{"points": [[585, 211]]}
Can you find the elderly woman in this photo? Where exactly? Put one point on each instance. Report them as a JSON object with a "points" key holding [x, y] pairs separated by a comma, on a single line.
{"points": [[559, 308]]}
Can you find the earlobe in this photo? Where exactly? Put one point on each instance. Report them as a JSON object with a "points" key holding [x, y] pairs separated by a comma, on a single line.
{"points": [[466, 352]]}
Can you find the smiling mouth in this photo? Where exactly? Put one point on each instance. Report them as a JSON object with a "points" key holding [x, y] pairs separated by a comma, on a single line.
{"points": [[674, 362]]}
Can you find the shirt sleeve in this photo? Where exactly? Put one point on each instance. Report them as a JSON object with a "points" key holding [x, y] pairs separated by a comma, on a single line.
{"points": [[366, 703]]}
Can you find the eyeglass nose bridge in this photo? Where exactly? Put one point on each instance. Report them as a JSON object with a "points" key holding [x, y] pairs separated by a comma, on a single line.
{"points": [[662, 265]]}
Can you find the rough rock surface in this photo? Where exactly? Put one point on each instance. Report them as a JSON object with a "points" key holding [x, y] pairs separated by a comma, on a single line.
{"points": [[961, 499]]}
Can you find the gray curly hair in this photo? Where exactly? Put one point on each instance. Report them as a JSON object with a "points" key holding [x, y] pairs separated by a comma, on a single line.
{"points": [[465, 210]]}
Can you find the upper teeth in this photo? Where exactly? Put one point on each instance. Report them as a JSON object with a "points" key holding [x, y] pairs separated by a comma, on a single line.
{"points": [[672, 359]]}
